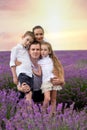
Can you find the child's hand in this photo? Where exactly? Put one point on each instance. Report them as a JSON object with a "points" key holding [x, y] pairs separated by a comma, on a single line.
{"points": [[17, 63], [23, 87]]}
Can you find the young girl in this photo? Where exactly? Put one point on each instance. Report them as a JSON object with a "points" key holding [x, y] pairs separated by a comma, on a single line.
{"points": [[48, 63], [22, 74]]}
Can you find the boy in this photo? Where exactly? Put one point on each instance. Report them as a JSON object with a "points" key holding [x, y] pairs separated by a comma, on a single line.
{"points": [[22, 74]]}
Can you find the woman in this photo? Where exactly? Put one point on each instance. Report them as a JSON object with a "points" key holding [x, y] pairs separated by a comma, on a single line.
{"points": [[38, 32], [39, 36]]}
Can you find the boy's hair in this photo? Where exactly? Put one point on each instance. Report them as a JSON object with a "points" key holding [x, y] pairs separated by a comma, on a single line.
{"points": [[28, 33], [37, 27]]}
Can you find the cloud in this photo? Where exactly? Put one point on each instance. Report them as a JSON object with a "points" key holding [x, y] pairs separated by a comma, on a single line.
{"points": [[12, 4], [4, 35], [82, 4], [8, 40]]}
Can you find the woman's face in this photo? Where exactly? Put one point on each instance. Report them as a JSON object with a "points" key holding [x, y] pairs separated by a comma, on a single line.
{"points": [[34, 51], [39, 34]]}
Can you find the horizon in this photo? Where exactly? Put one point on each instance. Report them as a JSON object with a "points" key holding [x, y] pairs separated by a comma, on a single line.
{"points": [[53, 50]]}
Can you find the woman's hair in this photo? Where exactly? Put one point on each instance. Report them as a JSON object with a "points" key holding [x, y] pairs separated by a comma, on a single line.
{"points": [[28, 33], [58, 68], [37, 27]]}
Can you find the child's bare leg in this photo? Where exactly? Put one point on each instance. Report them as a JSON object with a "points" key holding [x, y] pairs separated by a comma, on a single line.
{"points": [[46, 100], [28, 96], [19, 87], [53, 102]]}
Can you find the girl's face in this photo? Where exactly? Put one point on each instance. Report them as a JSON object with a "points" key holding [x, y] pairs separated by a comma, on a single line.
{"points": [[39, 34], [34, 51], [27, 40], [44, 51]]}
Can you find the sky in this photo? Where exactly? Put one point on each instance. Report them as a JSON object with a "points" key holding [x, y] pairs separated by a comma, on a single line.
{"points": [[64, 22]]}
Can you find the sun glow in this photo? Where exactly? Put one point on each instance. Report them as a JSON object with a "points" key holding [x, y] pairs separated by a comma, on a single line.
{"points": [[64, 22]]}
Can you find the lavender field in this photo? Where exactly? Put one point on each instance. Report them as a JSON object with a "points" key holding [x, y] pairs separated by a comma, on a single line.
{"points": [[74, 63], [72, 99]]}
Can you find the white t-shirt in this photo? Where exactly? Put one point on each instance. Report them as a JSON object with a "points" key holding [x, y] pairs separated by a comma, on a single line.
{"points": [[21, 54], [46, 64]]}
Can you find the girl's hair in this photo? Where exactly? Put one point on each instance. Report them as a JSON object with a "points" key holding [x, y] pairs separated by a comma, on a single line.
{"points": [[28, 33], [37, 27], [58, 68]]}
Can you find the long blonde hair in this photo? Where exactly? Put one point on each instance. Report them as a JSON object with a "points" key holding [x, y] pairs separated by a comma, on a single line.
{"points": [[58, 68]]}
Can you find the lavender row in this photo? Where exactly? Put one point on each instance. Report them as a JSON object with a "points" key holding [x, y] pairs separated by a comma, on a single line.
{"points": [[15, 115]]}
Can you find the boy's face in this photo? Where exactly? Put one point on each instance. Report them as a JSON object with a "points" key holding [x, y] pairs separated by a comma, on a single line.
{"points": [[27, 40]]}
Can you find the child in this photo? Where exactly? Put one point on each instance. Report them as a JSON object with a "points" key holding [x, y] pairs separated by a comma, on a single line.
{"points": [[50, 63], [22, 74]]}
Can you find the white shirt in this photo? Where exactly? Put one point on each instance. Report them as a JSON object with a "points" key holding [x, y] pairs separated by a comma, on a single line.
{"points": [[21, 54], [47, 68]]}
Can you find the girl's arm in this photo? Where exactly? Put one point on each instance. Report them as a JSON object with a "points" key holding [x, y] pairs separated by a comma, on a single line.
{"points": [[39, 72]]}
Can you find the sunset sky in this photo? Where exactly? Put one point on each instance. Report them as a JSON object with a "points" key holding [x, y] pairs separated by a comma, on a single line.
{"points": [[64, 22]]}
